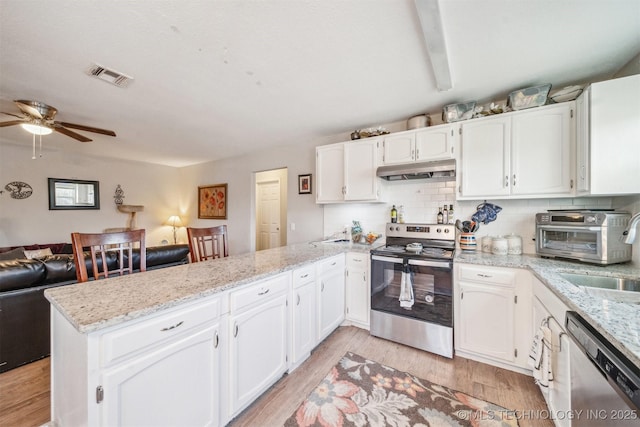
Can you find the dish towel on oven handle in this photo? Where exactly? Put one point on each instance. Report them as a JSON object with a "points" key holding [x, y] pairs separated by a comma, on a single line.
{"points": [[406, 291], [540, 356]]}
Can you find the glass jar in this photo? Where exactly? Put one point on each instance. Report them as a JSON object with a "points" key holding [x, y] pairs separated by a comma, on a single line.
{"points": [[499, 246]]}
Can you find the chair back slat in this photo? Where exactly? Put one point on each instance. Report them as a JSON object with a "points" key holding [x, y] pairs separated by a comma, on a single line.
{"points": [[101, 245], [208, 243]]}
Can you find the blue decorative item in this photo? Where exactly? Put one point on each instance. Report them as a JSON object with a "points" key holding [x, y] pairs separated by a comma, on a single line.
{"points": [[486, 213]]}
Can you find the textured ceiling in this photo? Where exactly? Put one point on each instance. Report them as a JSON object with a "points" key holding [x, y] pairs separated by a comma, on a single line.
{"points": [[216, 79]]}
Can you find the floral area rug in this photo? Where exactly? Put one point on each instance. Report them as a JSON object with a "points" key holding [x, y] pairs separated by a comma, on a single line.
{"points": [[361, 392]]}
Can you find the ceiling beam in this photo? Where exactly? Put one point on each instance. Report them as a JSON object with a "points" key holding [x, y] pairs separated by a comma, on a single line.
{"points": [[433, 33]]}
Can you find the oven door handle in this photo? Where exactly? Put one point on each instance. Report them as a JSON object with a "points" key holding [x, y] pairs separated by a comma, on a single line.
{"points": [[569, 228], [425, 263], [387, 259]]}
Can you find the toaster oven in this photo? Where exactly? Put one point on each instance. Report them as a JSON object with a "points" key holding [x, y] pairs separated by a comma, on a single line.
{"points": [[588, 236]]}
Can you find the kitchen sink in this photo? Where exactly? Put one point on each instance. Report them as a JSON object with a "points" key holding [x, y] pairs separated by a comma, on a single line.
{"points": [[604, 287]]}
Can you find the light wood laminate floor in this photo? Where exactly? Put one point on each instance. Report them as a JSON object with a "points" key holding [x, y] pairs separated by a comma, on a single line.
{"points": [[25, 391]]}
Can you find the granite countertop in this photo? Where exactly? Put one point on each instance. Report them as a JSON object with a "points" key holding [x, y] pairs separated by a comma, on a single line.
{"points": [[618, 322], [92, 306]]}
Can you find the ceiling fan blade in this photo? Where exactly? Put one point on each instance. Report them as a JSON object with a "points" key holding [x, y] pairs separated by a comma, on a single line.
{"points": [[11, 123], [87, 128], [71, 133], [11, 114], [28, 109]]}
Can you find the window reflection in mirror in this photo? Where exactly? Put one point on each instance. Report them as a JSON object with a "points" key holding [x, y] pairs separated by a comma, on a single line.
{"points": [[73, 194]]}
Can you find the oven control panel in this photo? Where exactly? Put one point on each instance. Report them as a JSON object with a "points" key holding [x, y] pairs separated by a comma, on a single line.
{"points": [[422, 231]]}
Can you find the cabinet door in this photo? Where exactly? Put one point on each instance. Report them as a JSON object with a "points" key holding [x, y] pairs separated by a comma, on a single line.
{"points": [[258, 350], [583, 166], [485, 153], [435, 143], [331, 300], [360, 164], [178, 384], [399, 148], [330, 173], [304, 321], [541, 143], [357, 289], [486, 320]]}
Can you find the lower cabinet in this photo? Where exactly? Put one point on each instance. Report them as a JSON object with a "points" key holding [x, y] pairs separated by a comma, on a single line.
{"points": [[331, 295], [304, 320], [258, 321], [358, 289], [493, 315]]}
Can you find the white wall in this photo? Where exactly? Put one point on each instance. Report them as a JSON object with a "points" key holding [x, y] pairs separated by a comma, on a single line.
{"points": [[30, 221], [239, 174]]}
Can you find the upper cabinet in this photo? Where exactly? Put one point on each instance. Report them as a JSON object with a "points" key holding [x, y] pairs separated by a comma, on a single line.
{"points": [[436, 143], [347, 171], [523, 154], [608, 129]]}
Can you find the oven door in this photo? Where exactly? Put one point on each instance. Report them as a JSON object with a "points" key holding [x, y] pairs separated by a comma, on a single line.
{"points": [[579, 243], [431, 283]]}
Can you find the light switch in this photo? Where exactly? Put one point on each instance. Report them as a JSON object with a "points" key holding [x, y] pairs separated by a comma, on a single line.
{"points": [[293, 226]]}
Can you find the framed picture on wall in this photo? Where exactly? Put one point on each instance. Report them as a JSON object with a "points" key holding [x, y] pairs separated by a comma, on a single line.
{"points": [[304, 184], [212, 201]]}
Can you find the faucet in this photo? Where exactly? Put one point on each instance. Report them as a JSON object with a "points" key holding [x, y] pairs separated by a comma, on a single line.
{"points": [[629, 234]]}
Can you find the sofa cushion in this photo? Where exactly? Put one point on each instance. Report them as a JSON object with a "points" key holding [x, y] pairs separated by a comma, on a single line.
{"points": [[16, 253], [161, 255], [20, 274]]}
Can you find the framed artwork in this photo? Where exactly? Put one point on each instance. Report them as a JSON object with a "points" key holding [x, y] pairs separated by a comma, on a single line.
{"points": [[212, 201], [304, 184]]}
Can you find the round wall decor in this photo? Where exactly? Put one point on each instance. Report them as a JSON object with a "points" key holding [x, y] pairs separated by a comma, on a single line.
{"points": [[19, 190]]}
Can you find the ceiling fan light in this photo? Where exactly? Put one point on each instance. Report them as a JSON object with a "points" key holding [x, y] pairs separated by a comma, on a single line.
{"points": [[36, 129]]}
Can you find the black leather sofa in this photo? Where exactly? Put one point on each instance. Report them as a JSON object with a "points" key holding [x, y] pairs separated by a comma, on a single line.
{"points": [[24, 311]]}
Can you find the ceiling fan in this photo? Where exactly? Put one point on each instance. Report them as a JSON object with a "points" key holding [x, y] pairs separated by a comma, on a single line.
{"points": [[37, 118]]}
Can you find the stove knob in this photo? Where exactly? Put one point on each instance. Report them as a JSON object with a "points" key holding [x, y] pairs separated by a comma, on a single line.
{"points": [[446, 230], [391, 228], [398, 228], [439, 230]]}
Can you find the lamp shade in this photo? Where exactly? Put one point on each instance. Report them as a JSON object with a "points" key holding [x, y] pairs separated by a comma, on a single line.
{"points": [[174, 221]]}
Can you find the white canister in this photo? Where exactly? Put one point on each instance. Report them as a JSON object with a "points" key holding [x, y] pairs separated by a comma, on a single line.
{"points": [[514, 244], [499, 246], [487, 241]]}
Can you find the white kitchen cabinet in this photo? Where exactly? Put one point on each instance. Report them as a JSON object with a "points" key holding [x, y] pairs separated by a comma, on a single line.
{"points": [[331, 294], [433, 143], [493, 315], [347, 171], [358, 289], [303, 326], [608, 129], [258, 321], [549, 310], [164, 369], [522, 154]]}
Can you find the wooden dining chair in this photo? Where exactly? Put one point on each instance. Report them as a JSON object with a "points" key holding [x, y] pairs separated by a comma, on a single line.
{"points": [[103, 247], [208, 243]]}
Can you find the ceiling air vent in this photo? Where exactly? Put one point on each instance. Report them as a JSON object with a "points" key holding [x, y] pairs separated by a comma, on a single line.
{"points": [[109, 76]]}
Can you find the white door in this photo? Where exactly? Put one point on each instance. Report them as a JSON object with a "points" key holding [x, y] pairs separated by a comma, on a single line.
{"points": [[541, 151], [357, 290], [435, 144], [258, 350], [484, 151], [304, 321], [399, 148], [176, 385], [331, 301], [360, 163], [268, 215], [330, 173]]}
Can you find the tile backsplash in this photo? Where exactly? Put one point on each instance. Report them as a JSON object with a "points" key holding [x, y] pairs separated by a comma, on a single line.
{"points": [[421, 200]]}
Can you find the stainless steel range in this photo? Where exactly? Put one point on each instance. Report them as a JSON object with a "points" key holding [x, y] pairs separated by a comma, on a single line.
{"points": [[412, 287]]}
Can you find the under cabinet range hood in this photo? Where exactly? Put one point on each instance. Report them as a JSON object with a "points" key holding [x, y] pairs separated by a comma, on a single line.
{"points": [[441, 170]]}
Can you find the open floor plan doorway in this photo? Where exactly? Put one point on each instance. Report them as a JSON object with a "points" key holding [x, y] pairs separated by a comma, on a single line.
{"points": [[271, 209]]}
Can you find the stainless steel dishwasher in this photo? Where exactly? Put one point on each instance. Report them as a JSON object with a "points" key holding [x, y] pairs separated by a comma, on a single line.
{"points": [[605, 385]]}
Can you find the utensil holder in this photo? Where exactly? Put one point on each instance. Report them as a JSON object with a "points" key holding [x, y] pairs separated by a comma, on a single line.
{"points": [[468, 242]]}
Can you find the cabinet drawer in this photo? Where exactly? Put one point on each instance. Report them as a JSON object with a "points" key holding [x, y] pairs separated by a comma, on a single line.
{"points": [[330, 264], [355, 259], [259, 292], [304, 275], [145, 333], [487, 275]]}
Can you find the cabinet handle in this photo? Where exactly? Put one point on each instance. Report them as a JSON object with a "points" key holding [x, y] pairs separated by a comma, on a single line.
{"points": [[417, 153], [364, 276], [321, 286], [413, 157], [235, 330], [264, 292], [306, 275], [506, 181], [217, 341], [356, 260], [514, 179], [298, 302], [483, 275], [333, 263], [171, 327]]}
